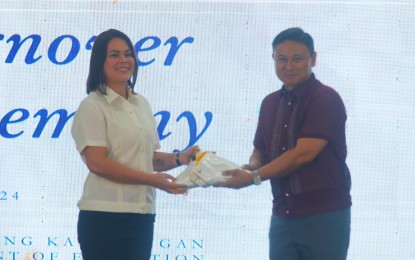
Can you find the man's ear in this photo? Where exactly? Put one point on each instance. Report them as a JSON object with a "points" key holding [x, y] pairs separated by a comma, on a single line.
{"points": [[313, 59]]}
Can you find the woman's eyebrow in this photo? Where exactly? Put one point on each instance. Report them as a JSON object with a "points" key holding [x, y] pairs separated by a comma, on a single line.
{"points": [[118, 51]]}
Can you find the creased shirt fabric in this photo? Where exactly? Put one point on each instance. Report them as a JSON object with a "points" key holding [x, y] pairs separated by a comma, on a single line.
{"points": [[127, 128], [310, 110]]}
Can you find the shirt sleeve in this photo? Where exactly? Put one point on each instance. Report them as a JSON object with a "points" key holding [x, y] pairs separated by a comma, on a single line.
{"points": [[259, 141], [157, 145], [89, 126], [325, 116]]}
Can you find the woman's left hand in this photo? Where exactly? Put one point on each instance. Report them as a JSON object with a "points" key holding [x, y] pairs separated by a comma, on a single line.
{"points": [[186, 156]]}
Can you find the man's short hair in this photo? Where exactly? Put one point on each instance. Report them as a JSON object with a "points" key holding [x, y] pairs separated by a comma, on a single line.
{"points": [[295, 34]]}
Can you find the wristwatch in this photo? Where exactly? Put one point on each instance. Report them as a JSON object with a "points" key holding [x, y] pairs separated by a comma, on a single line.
{"points": [[256, 177]]}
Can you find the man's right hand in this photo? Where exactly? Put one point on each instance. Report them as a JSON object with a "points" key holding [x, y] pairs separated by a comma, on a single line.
{"points": [[251, 167]]}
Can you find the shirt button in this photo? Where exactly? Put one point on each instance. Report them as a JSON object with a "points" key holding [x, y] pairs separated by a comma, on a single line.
{"points": [[289, 103], [287, 212], [283, 148], [285, 126], [287, 194]]}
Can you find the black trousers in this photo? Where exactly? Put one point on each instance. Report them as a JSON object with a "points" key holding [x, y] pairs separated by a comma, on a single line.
{"points": [[115, 236]]}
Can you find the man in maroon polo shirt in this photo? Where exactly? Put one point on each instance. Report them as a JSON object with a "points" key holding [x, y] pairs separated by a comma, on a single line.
{"points": [[300, 146]]}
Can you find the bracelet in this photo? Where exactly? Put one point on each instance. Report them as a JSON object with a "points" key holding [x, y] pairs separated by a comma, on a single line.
{"points": [[177, 159]]}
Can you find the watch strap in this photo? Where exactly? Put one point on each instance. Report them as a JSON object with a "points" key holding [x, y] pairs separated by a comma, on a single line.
{"points": [[256, 177]]}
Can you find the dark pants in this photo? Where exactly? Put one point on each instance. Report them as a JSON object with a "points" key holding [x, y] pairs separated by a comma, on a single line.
{"points": [[115, 236], [323, 237]]}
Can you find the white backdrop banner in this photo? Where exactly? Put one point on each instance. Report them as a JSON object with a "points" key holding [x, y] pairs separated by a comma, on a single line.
{"points": [[205, 67]]}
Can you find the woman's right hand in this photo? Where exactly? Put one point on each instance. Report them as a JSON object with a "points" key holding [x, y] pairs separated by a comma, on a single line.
{"points": [[164, 181]]}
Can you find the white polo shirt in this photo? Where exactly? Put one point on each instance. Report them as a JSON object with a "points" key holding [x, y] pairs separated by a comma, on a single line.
{"points": [[128, 129]]}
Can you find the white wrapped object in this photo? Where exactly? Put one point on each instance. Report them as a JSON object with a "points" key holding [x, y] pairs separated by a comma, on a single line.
{"points": [[205, 170]]}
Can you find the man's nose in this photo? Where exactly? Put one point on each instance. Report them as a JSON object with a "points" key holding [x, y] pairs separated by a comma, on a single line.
{"points": [[288, 65]]}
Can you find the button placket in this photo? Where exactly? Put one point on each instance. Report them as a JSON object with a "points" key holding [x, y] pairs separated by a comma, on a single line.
{"points": [[129, 108]]}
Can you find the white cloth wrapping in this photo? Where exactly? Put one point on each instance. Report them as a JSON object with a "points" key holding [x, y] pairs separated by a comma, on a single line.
{"points": [[205, 170]]}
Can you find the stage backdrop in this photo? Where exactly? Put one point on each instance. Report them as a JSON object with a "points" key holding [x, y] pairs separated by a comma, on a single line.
{"points": [[204, 67]]}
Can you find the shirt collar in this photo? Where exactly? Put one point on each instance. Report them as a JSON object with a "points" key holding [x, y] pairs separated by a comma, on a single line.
{"points": [[301, 89], [112, 95]]}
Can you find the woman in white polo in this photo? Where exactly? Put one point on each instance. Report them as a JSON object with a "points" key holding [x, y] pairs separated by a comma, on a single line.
{"points": [[115, 132]]}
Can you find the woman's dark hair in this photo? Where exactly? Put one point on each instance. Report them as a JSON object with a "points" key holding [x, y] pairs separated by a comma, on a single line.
{"points": [[96, 77], [297, 35]]}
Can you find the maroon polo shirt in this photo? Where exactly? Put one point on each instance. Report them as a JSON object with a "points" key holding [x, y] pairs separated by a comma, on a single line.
{"points": [[310, 110]]}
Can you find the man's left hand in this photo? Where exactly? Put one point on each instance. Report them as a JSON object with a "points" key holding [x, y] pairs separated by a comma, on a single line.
{"points": [[238, 179]]}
